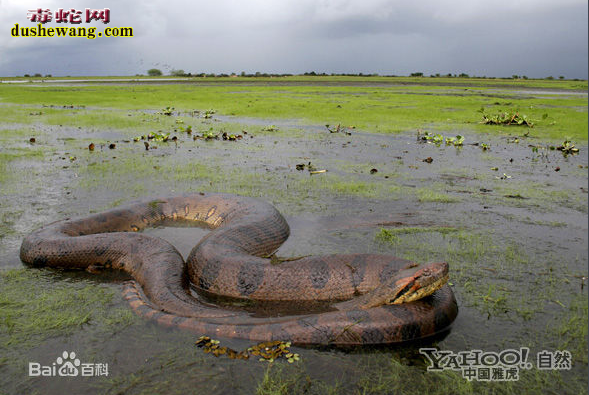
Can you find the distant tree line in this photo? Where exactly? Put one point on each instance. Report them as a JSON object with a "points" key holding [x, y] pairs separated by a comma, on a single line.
{"points": [[258, 74], [37, 75]]}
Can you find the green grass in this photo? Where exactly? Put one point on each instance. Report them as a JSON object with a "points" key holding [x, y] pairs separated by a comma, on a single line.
{"points": [[392, 235], [119, 173], [21, 153], [339, 185], [391, 376], [16, 114], [383, 374], [473, 256], [426, 195], [571, 331], [33, 308], [538, 194], [280, 380], [15, 149], [384, 109], [8, 217]]}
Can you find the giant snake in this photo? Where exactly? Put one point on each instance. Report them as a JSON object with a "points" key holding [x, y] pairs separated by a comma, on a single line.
{"points": [[233, 261]]}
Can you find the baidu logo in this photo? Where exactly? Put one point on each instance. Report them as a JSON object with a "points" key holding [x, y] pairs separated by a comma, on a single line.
{"points": [[67, 365]]}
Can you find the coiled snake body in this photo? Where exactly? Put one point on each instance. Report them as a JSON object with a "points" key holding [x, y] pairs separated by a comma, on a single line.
{"points": [[232, 261]]}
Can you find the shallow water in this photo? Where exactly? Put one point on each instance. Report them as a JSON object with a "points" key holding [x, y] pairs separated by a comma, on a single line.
{"points": [[524, 223]]}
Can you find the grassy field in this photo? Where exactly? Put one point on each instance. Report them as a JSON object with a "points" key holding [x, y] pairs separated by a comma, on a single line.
{"points": [[506, 208], [378, 105]]}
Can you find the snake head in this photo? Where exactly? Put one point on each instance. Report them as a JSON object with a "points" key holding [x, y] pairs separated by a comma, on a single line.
{"points": [[416, 283], [407, 285]]}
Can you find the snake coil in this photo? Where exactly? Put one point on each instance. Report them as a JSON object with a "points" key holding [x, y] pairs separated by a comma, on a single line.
{"points": [[232, 261]]}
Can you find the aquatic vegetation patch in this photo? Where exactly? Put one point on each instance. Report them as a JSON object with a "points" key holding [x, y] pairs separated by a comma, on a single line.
{"points": [[340, 129], [567, 148], [310, 168], [168, 111], [438, 139], [155, 136], [507, 118], [266, 351]]}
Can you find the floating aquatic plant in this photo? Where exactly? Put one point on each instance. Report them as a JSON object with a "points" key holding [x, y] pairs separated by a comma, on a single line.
{"points": [[168, 111], [267, 351], [505, 118]]}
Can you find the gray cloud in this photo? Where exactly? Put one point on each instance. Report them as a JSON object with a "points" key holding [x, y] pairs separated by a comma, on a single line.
{"points": [[500, 38]]}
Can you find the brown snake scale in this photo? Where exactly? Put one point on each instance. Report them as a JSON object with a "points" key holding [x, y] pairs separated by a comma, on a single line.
{"points": [[231, 261]]}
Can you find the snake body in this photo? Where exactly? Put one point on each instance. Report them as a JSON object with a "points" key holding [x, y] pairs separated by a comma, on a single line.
{"points": [[232, 261]]}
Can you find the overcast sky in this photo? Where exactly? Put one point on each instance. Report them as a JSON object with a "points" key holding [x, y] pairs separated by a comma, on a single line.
{"points": [[536, 38]]}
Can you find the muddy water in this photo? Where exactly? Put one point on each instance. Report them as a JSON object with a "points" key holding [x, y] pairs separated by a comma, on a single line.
{"points": [[522, 211]]}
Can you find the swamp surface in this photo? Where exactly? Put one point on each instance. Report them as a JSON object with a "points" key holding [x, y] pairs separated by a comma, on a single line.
{"points": [[506, 208]]}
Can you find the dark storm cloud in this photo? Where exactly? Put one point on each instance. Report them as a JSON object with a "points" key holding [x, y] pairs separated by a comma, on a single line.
{"points": [[499, 38], [491, 42]]}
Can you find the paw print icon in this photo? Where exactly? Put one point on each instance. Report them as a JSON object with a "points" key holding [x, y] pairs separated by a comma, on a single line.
{"points": [[69, 364]]}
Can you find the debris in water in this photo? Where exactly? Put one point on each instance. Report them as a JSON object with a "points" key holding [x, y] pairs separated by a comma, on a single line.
{"points": [[267, 351]]}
